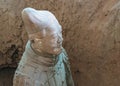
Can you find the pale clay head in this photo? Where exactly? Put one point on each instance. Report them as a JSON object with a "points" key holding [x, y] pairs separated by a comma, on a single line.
{"points": [[44, 30]]}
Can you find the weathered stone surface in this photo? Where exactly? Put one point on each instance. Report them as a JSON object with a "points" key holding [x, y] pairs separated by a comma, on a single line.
{"points": [[91, 31], [11, 31]]}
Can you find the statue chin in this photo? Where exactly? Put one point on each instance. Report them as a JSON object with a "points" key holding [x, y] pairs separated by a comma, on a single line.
{"points": [[57, 51]]}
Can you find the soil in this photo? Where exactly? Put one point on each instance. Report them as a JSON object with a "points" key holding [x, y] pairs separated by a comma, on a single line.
{"points": [[91, 32]]}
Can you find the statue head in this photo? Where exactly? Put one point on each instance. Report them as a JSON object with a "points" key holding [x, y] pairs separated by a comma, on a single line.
{"points": [[44, 31]]}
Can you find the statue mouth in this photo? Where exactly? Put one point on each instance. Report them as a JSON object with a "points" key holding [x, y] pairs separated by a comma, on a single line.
{"points": [[59, 46]]}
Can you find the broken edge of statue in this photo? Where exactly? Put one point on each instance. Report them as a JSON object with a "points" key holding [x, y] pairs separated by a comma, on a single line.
{"points": [[44, 61]]}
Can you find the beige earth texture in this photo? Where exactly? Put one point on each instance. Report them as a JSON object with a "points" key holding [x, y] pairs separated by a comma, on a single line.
{"points": [[91, 32]]}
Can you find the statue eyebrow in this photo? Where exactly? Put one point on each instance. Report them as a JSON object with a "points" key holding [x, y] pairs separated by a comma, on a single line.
{"points": [[53, 34]]}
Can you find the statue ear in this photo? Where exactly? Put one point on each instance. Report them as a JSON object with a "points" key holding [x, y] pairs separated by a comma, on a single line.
{"points": [[38, 35]]}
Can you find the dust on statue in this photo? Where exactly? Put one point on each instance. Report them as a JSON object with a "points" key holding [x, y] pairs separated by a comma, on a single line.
{"points": [[44, 62]]}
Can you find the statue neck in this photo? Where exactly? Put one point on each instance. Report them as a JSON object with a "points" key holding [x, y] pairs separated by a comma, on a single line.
{"points": [[40, 52]]}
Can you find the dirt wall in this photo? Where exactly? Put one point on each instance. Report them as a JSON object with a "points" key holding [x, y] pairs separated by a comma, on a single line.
{"points": [[91, 31]]}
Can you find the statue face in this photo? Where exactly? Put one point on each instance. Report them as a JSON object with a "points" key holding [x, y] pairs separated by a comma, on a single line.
{"points": [[51, 42]]}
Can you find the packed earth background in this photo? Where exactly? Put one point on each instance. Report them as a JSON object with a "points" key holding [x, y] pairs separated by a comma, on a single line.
{"points": [[91, 32]]}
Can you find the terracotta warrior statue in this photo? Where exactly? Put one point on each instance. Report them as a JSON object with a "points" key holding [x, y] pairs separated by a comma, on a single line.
{"points": [[44, 62]]}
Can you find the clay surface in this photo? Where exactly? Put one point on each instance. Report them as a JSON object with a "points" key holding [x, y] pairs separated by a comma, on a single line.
{"points": [[91, 32]]}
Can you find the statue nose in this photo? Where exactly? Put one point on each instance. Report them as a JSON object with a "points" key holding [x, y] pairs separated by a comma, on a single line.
{"points": [[60, 39]]}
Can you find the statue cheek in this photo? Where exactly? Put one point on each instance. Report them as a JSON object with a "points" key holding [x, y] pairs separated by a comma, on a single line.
{"points": [[52, 45], [54, 41]]}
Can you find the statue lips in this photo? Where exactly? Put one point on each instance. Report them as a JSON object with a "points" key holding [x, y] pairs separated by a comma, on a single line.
{"points": [[59, 45]]}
